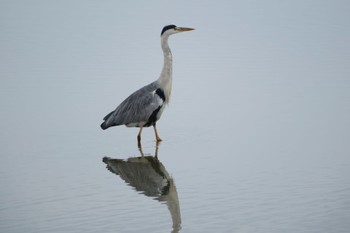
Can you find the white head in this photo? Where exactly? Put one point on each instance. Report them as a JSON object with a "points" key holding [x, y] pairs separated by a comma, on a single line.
{"points": [[172, 29]]}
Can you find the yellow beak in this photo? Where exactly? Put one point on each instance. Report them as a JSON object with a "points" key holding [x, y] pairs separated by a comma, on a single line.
{"points": [[182, 29]]}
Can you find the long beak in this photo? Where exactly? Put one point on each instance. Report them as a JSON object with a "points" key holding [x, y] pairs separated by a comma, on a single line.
{"points": [[182, 29]]}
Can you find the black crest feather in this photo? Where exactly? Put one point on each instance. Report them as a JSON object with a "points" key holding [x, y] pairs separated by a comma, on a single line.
{"points": [[167, 28]]}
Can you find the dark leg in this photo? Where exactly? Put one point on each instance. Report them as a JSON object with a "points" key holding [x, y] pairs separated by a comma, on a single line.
{"points": [[139, 137], [140, 148]]}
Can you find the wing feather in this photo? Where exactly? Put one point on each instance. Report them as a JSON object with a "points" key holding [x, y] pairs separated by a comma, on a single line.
{"points": [[137, 108]]}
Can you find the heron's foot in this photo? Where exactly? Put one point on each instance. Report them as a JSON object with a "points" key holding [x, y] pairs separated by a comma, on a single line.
{"points": [[156, 133], [140, 149]]}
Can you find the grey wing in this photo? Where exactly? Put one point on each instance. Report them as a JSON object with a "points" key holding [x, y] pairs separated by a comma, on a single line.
{"points": [[137, 109]]}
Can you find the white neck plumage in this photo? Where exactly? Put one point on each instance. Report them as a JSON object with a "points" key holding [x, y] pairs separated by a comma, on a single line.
{"points": [[165, 79]]}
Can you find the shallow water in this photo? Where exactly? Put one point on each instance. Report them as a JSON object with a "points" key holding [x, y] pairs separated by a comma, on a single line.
{"points": [[255, 138]]}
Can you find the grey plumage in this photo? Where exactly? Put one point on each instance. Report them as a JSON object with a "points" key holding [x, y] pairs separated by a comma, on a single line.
{"points": [[144, 107], [137, 109]]}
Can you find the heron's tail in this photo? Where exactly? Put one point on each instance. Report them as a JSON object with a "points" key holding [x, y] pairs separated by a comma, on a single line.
{"points": [[104, 126]]}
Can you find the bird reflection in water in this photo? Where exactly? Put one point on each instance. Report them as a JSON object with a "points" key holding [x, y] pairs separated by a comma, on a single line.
{"points": [[149, 177]]}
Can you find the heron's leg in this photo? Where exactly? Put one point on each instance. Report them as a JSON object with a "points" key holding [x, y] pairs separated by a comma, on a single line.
{"points": [[139, 137], [140, 148], [156, 133], [156, 152]]}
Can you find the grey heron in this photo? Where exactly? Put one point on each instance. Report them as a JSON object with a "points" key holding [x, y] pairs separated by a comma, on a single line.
{"points": [[144, 107]]}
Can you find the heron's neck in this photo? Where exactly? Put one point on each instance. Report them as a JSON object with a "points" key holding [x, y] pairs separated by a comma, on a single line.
{"points": [[165, 79]]}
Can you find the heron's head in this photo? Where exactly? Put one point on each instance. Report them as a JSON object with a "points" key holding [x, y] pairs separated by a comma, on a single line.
{"points": [[172, 29]]}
